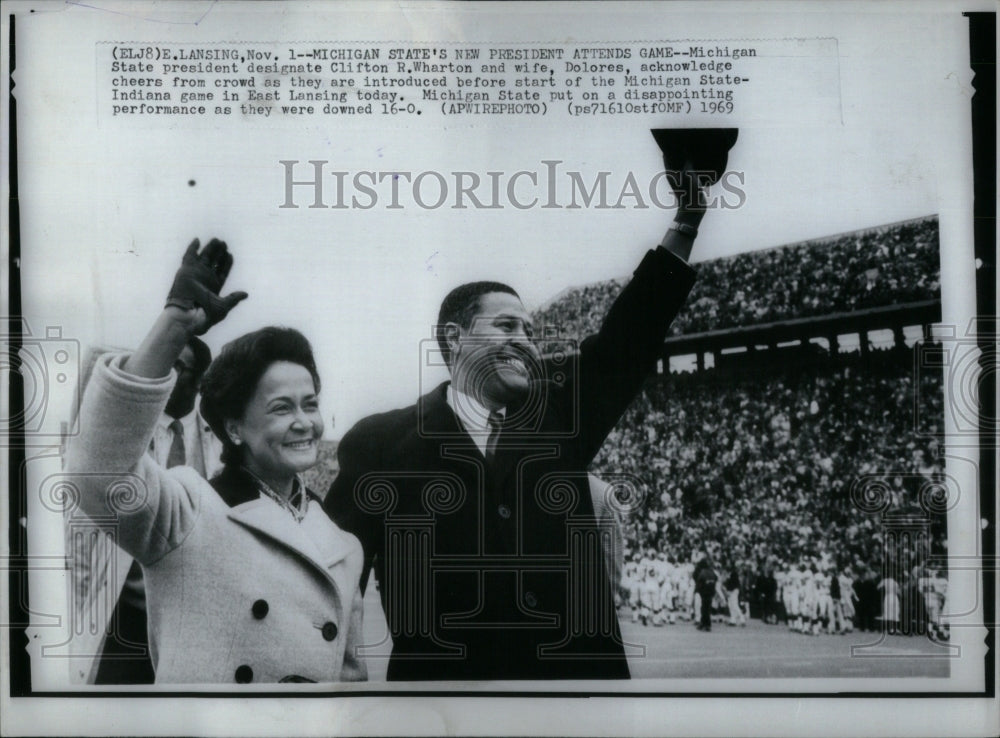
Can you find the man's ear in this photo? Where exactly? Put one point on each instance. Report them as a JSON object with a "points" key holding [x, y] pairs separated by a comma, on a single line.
{"points": [[452, 334]]}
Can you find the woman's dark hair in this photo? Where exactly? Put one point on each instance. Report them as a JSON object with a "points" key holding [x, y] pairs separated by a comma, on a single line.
{"points": [[232, 378], [202, 355]]}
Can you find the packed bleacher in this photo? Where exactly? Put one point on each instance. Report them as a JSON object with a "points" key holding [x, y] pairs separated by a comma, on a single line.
{"points": [[883, 266], [757, 465], [763, 465]]}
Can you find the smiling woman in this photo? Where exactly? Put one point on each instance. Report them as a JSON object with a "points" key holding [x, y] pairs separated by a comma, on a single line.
{"points": [[261, 398], [247, 578]]}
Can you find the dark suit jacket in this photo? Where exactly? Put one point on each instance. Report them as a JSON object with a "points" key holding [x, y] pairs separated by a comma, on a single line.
{"points": [[497, 572]]}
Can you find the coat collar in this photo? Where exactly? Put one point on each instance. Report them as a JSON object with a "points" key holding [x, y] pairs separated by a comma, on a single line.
{"points": [[437, 418], [438, 424], [236, 487], [250, 508], [323, 550]]}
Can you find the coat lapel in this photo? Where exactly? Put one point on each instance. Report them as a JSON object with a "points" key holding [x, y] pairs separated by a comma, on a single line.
{"points": [[258, 513], [519, 436], [441, 429], [263, 516], [437, 418]]}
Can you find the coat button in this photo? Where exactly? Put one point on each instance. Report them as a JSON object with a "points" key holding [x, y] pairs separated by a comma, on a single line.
{"points": [[260, 609], [503, 511], [244, 674], [329, 631], [530, 600]]}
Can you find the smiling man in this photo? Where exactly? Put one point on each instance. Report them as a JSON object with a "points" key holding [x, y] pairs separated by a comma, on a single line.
{"points": [[473, 505], [485, 336]]}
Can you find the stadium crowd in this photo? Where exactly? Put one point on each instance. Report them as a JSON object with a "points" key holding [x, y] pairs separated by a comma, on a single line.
{"points": [[769, 472], [767, 463], [883, 266], [784, 474]]}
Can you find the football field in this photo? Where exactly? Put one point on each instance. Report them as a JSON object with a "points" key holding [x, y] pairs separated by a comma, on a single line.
{"points": [[774, 651], [757, 650]]}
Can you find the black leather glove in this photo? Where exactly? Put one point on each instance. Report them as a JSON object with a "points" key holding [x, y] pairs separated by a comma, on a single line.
{"points": [[199, 279], [694, 158]]}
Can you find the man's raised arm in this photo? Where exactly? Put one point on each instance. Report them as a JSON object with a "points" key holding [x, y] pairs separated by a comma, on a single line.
{"points": [[615, 362]]}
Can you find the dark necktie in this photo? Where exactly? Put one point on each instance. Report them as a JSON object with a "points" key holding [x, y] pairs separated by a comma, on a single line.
{"points": [[176, 455], [495, 422]]}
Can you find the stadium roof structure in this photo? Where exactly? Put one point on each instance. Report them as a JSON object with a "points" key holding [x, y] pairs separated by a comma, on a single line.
{"points": [[868, 319]]}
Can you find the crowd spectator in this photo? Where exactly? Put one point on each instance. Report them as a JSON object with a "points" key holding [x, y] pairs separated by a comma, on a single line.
{"points": [[756, 465], [890, 265], [764, 464]]}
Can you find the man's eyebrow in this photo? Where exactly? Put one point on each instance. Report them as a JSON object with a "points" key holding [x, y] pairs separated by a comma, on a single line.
{"points": [[512, 316]]}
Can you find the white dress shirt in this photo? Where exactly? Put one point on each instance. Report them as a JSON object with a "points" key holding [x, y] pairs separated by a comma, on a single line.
{"points": [[472, 416]]}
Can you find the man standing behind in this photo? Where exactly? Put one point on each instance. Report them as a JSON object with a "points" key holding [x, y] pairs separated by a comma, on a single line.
{"points": [[473, 505]]}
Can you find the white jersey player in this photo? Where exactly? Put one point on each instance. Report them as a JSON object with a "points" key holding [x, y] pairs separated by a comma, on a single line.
{"points": [[649, 596], [684, 587], [848, 598], [630, 583], [793, 597], [809, 602], [934, 588], [824, 603]]}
